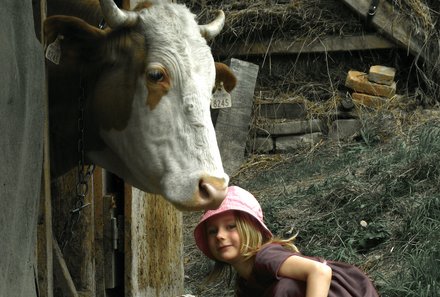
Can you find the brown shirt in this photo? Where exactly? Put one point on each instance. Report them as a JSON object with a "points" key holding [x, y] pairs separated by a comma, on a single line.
{"points": [[347, 280]]}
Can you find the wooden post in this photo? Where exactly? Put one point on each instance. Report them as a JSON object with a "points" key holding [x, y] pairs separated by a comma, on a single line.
{"points": [[64, 279], [232, 124], [153, 246], [98, 209], [44, 249]]}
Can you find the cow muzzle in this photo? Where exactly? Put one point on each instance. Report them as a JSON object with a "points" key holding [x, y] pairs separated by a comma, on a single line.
{"points": [[200, 192], [212, 191]]}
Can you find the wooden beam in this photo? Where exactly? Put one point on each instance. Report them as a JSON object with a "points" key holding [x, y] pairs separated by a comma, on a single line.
{"points": [[153, 246], [392, 24], [326, 44], [62, 273]]}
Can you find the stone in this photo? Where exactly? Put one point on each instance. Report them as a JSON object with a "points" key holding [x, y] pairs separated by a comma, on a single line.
{"points": [[261, 145], [290, 127], [368, 100], [344, 129], [284, 144], [283, 110], [382, 75], [358, 81]]}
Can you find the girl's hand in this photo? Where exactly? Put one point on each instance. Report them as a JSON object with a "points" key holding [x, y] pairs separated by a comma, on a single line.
{"points": [[317, 275]]}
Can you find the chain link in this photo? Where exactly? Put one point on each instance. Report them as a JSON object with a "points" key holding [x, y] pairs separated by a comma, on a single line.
{"points": [[83, 176]]}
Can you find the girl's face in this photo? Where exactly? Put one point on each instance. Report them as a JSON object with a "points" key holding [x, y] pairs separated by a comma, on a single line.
{"points": [[223, 238]]}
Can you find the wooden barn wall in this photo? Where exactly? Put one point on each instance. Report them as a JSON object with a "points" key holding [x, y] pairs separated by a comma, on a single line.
{"points": [[21, 147], [154, 246]]}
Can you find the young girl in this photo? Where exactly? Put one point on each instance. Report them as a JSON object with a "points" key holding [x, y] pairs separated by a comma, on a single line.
{"points": [[234, 235]]}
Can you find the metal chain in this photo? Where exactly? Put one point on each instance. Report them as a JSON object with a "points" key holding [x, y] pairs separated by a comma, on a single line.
{"points": [[83, 176]]}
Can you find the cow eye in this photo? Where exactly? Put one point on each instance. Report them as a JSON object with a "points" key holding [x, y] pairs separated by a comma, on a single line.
{"points": [[155, 75]]}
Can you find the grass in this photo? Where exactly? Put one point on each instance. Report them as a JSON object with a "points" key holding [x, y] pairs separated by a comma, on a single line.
{"points": [[375, 204]]}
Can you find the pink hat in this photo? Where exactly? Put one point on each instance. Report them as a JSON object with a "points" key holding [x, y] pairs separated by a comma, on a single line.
{"points": [[236, 199]]}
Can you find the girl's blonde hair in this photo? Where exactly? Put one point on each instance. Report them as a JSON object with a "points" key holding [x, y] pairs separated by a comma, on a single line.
{"points": [[251, 241]]}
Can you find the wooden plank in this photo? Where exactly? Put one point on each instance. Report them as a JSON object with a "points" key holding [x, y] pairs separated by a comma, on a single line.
{"points": [[99, 232], [280, 110], [326, 44], [392, 24], [44, 239], [232, 124], [44, 249], [109, 217], [79, 251], [153, 246], [62, 274]]}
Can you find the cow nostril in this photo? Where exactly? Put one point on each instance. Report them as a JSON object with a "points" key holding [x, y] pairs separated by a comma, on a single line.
{"points": [[203, 190]]}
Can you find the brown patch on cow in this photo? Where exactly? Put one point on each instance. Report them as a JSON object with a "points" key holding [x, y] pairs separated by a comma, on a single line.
{"points": [[142, 5], [114, 92], [80, 41], [157, 88], [224, 74], [108, 62]]}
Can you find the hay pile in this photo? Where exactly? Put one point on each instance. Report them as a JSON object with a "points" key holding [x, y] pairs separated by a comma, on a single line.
{"points": [[251, 22], [257, 20]]}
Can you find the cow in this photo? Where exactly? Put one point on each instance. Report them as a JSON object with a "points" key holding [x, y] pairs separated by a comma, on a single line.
{"points": [[145, 80]]}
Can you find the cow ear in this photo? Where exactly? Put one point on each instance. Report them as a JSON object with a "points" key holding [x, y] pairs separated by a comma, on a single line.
{"points": [[79, 41], [224, 74]]}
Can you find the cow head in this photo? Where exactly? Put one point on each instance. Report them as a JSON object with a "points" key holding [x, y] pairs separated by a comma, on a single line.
{"points": [[149, 81]]}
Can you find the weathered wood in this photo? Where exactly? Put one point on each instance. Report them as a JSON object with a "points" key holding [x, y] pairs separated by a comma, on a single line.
{"points": [[44, 227], [62, 274], [44, 234], [289, 127], [79, 252], [109, 214], [153, 246], [261, 145], [282, 110], [232, 125], [98, 209], [326, 44], [284, 144], [392, 24]]}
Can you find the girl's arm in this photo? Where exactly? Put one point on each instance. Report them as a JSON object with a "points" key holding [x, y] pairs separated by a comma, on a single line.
{"points": [[317, 275]]}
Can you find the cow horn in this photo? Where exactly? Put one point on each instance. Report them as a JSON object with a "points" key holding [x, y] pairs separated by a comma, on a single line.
{"points": [[116, 17], [211, 30]]}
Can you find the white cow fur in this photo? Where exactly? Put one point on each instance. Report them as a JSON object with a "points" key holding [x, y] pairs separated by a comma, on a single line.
{"points": [[183, 143]]}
